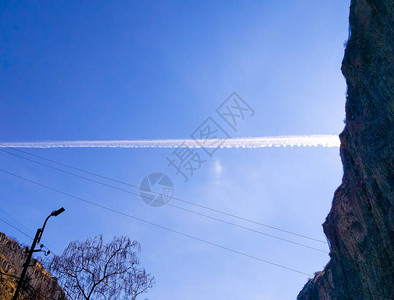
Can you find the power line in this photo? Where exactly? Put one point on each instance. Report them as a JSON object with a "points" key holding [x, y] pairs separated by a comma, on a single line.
{"points": [[177, 199], [12, 219], [171, 205], [201, 240], [20, 231], [157, 225]]}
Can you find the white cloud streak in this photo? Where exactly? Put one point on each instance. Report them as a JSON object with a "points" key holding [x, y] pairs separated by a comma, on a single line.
{"points": [[251, 142]]}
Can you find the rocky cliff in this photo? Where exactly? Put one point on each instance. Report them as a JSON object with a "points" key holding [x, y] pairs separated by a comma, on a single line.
{"points": [[360, 224], [41, 284]]}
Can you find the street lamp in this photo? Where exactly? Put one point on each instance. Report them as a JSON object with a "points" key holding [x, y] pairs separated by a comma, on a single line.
{"points": [[55, 213], [36, 240]]}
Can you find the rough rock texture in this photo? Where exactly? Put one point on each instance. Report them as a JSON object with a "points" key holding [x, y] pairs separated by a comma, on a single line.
{"points": [[41, 286], [360, 225]]}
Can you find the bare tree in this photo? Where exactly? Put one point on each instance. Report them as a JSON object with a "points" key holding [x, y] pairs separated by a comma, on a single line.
{"points": [[93, 270]]}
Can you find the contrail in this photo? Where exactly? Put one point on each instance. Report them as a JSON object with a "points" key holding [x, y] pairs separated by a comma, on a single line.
{"points": [[250, 142]]}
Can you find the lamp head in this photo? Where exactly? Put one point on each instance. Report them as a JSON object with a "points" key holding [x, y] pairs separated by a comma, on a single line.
{"points": [[55, 213]]}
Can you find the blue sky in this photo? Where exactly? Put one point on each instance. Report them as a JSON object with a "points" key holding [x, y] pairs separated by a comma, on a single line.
{"points": [[154, 70]]}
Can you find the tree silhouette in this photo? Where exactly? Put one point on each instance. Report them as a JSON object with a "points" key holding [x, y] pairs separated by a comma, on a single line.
{"points": [[94, 270]]}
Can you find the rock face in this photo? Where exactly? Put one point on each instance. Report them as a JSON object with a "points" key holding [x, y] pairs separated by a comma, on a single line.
{"points": [[360, 225], [41, 286]]}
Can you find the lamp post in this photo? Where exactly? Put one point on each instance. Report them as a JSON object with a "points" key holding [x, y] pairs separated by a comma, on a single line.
{"points": [[36, 240]]}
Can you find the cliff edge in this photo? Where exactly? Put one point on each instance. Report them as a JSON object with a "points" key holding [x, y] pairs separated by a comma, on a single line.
{"points": [[360, 225]]}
